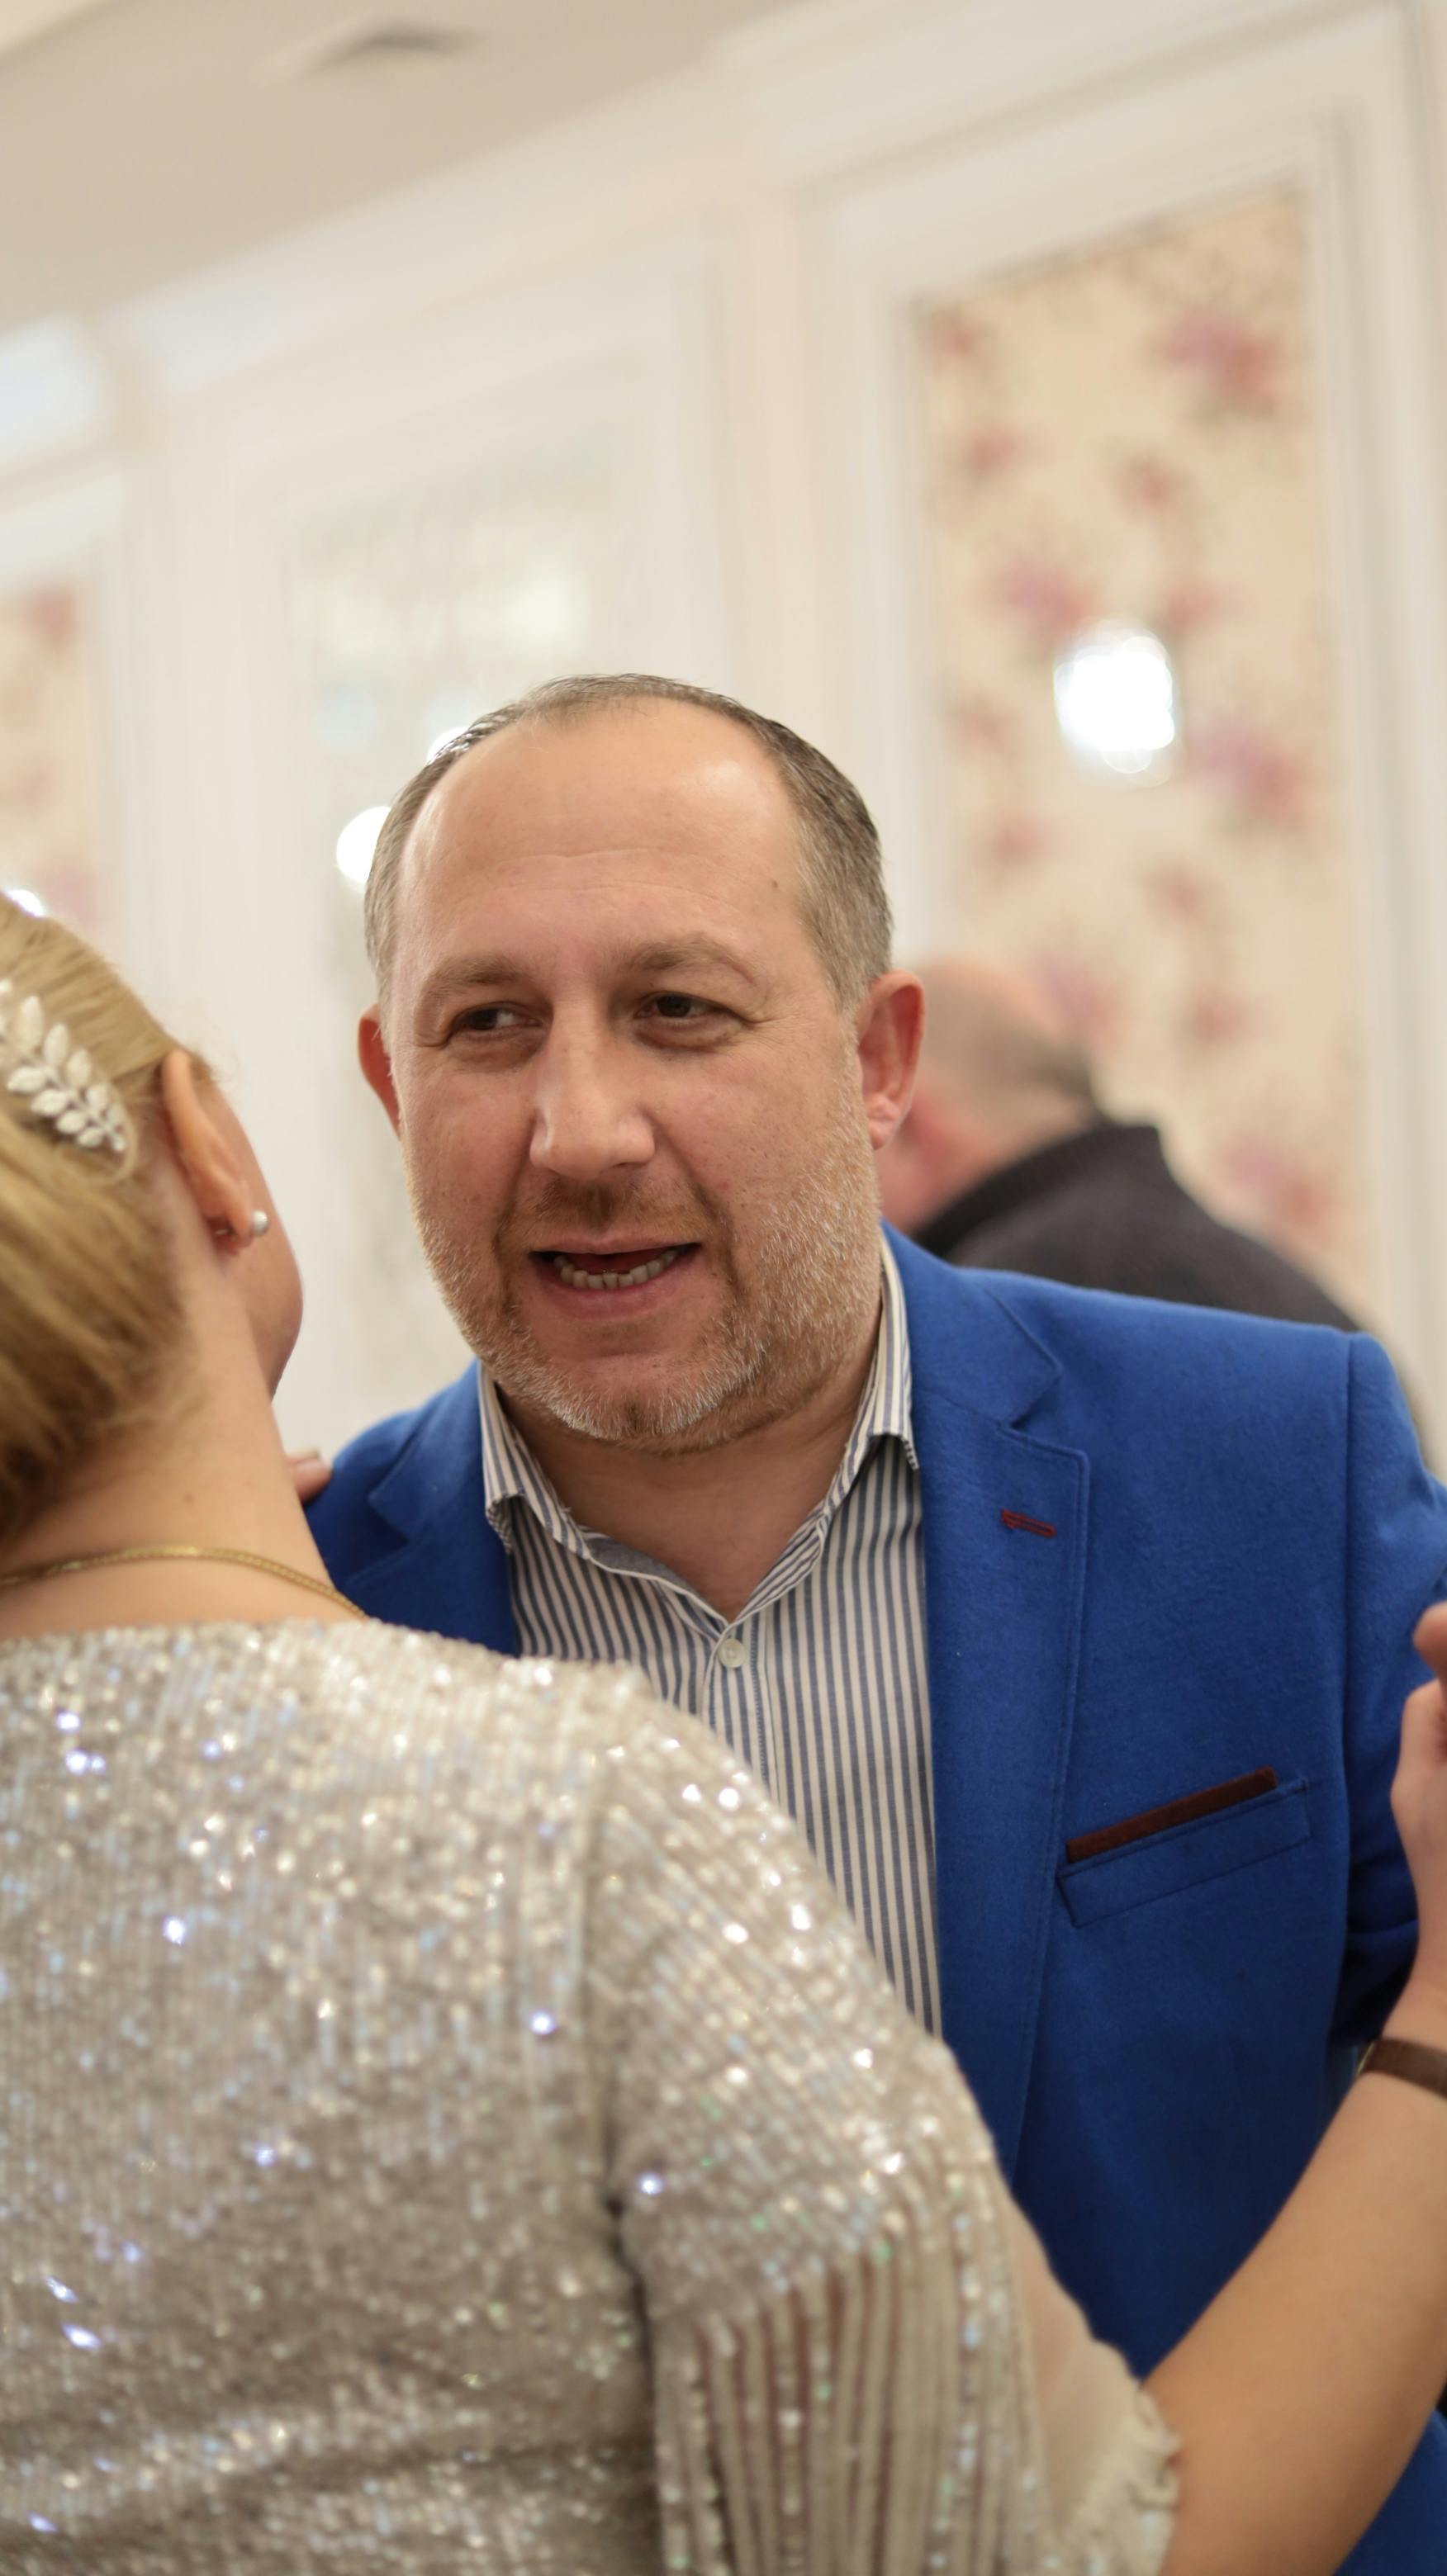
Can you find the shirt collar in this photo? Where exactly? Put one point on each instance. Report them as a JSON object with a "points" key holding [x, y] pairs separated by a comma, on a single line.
{"points": [[511, 1474], [885, 1407]]}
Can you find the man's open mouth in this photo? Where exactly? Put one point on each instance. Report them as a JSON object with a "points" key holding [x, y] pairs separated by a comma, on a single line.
{"points": [[629, 1267]]}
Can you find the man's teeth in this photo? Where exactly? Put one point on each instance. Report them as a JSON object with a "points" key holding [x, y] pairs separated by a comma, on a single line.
{"points": [[573, 1278]]}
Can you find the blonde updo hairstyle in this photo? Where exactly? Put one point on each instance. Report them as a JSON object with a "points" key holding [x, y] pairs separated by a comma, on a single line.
{"points": [[89, 1310]]}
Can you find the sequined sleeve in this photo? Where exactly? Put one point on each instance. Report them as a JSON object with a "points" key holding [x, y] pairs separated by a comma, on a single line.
{"points": [[862, 2362]]}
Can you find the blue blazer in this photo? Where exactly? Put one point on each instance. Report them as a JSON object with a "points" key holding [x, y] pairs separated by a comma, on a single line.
{"points": [[1164, 1550]]}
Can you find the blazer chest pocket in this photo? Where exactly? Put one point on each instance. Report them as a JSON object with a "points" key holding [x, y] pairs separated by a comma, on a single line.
{"points": [[1165, 1863]]}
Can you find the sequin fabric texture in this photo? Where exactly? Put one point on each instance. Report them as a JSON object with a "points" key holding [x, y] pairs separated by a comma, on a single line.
{"points": [[450, 2124]]}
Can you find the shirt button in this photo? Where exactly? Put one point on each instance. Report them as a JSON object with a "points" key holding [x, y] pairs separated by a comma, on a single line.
{"points": [[731, 1652]]}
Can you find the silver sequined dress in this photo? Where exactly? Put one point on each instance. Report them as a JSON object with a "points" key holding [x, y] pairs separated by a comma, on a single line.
{"points": [[449, 2124]]}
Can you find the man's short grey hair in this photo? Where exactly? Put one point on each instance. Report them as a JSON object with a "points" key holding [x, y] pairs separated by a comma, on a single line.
{"points": [[842, 878]]}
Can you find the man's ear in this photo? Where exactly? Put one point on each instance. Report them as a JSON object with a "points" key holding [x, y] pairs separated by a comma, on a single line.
{"points": [[376, 1063], [204, 1154], [929, 1131], [891, 1028]]}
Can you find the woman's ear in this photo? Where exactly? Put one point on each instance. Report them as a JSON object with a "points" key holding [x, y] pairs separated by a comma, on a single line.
{"points": [[204, 1154]]}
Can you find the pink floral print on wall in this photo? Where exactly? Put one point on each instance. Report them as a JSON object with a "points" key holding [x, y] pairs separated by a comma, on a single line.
{"points": [[48, 797], [1135, 433]]}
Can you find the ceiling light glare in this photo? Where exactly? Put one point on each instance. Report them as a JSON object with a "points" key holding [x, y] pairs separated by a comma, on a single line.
{"points": [[356, 842], [1117, 702], [28, 901]]}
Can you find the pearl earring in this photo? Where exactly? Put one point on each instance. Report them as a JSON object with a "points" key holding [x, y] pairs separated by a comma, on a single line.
{"points": [[260, 1224]]}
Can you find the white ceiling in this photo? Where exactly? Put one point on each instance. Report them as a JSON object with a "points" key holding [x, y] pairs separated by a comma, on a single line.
{"points": [[140, 139]]}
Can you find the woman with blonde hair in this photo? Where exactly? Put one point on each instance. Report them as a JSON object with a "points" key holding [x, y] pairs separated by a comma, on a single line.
{"points": [[450, 2122]]}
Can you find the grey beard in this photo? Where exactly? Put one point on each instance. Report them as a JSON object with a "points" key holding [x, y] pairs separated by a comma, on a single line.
{"points": [[817, 1263], [669, 1424]]}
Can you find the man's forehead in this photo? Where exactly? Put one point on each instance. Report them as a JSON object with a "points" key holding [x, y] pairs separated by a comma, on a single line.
{"points": [[632, 775]]}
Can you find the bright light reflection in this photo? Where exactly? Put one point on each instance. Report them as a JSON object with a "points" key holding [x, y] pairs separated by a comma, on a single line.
{"points": [[356, 842], [1117, 702], [28, 901]]}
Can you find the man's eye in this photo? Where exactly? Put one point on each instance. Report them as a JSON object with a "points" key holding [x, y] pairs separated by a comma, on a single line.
{"points": [[680, 1006], [486, 1018]]}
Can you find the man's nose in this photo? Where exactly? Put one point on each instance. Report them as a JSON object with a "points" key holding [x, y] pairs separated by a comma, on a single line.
{"points": [[588, 1120]]}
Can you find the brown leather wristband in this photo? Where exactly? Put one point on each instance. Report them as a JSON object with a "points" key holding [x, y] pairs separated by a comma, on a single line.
{"points": [[1409, 2059]]}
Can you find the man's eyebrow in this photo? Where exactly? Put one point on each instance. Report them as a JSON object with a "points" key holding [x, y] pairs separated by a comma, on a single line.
{"points": [[464, 975], [680, 957]]}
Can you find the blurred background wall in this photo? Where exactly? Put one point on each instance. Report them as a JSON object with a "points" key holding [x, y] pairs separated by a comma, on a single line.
{"points": [[1041, 405]]}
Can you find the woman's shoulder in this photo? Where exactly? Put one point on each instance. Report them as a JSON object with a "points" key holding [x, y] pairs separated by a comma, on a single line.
{"points": [[330, 1712], [456, 1686], [376, 1693], [467, 1751]]}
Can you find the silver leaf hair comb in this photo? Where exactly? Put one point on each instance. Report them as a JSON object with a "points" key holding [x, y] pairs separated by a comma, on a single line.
{"points": [[57, 1081]]}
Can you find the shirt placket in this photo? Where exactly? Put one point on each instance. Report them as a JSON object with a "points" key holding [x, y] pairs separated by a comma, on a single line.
{"points": [[738, 1708], [743, 1670]]}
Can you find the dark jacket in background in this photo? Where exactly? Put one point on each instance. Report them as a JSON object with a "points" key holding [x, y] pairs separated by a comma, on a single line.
{"points": [[1102, 1209]]}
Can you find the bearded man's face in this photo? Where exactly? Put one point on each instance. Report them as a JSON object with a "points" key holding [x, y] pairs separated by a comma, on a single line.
{"points": [[631, 1106]]}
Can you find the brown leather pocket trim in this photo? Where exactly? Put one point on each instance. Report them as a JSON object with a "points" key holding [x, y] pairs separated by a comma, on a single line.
{"points": [[1179, 1811]]}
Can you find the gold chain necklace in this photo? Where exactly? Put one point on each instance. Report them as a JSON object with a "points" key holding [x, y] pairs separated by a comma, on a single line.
{"points": [[208, 1555]]}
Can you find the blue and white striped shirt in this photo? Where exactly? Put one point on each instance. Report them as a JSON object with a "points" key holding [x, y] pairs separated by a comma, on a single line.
{"points": [[820, 1683]]}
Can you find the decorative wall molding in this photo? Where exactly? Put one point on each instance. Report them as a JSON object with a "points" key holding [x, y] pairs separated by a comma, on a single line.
{"points": [[62, 529], [827, 88], [55, 394]]}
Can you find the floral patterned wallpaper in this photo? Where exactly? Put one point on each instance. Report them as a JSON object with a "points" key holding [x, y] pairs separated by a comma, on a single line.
{"points": [[48, 789], [1134, 434]]}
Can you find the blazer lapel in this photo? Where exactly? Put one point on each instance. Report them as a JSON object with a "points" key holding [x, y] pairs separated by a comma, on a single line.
{"points": [[449, 1574], [1004, 1529]]}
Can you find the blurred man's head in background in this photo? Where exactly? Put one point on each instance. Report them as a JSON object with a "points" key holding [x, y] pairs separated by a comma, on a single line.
{"points": [[1001, 1074]]}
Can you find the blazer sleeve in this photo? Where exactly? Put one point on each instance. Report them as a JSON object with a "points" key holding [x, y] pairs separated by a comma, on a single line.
{"points": [[1396, 1563]]}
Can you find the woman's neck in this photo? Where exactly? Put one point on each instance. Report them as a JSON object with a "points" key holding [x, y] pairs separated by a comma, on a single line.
{"points": [[214, 1476]]}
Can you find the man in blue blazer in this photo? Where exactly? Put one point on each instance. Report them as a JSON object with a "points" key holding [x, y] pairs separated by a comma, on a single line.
{"points": [[1118, 1595]]}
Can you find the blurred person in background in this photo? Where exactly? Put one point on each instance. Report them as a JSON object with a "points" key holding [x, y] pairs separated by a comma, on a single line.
{"points": [[982, 1576], [449, 2120], [1007, 1161]]}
